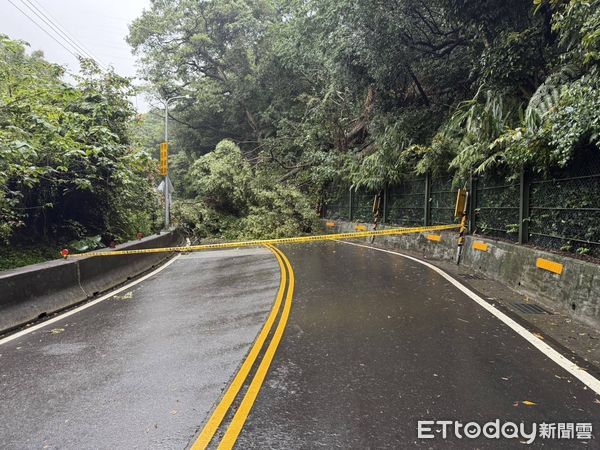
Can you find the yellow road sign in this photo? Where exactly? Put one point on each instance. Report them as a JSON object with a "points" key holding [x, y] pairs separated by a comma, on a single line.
{"points": [[461, 203], [164, 159]]}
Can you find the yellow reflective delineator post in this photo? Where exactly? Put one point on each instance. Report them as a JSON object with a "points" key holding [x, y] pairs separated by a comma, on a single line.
{"points": [[259, 243], [164, 159], [460, 210]]}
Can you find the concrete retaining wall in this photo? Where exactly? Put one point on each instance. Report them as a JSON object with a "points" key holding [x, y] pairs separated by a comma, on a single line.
{"points": [[576, 291], [28, 292]]}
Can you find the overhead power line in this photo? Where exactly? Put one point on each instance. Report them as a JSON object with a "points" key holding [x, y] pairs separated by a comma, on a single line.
{"points": [[75, 49], [55, 31], [44, 30], [39, 11], [62, 33]]}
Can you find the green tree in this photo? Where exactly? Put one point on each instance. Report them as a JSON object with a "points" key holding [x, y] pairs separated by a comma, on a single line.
{"points": [[232, 201], [369, 92], [67, 165]]}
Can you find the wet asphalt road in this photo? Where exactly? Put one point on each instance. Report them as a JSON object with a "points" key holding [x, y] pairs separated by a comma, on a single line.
{"points": [[144, 369], [374, 343]]}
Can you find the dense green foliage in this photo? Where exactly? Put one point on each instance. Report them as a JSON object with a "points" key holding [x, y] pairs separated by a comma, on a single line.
{"points": [[289, 96], [232, 200], [68, 166], [11, 257], [369, 91]]}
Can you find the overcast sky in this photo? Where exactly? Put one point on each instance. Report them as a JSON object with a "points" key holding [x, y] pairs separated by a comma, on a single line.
{"points": [[99, 26]]}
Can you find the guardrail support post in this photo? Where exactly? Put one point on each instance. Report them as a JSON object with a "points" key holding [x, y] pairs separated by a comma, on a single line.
{"points": [[472, 204], [427, 206], [524, 207]]}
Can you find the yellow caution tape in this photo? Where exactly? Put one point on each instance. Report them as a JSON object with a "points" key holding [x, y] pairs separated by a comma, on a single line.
{"points": [[258, 243]]}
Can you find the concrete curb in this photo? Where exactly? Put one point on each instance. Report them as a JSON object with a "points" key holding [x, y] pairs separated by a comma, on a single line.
{"points": [[575, 291], [28, 292]]}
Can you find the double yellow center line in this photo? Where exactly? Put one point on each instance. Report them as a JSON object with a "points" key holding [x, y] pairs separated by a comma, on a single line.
{"points": [[286, 289]]}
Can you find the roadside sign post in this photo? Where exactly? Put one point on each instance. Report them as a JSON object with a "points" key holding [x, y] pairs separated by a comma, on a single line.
{"points": [[164, 160], [460, 211]]}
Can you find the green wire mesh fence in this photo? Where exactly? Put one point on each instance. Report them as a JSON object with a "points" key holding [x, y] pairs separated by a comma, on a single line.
{"points": [[442, 201], [362, 205], [405, 203], [336, 202], [497, 207], [564, 208], [557, 210]]}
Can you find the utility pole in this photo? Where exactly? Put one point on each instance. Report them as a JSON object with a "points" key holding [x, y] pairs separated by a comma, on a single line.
{"points": [[164, 148]]}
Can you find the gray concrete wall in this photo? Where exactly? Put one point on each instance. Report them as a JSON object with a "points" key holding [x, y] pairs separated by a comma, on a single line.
{"points": [[28, 292], [576, 291]]}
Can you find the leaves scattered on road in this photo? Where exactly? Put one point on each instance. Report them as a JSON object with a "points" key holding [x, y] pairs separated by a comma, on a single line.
{"points": [[524, 402], [127, 296]]}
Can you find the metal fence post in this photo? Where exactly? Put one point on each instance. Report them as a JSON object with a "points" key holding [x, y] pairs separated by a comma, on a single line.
{"points": [[385, 200], [524, 207], [350, 209], [472, 203], [427, 210]]}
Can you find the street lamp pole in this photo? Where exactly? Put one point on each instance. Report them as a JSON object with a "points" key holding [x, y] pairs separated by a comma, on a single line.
{"points": [[166, 180]]}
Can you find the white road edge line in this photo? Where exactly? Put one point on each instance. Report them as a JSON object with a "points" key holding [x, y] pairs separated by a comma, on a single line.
{"points": [[33, 328], [579, 373]]}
